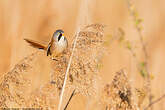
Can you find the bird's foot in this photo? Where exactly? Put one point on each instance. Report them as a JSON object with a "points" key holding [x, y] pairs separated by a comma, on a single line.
{"points": [[54, 59]]}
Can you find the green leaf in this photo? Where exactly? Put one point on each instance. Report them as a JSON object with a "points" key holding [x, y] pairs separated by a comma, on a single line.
{"points": [[138, 21], [99, 66], [142, 69], [143, 64], [143, 73], [128, 45]]}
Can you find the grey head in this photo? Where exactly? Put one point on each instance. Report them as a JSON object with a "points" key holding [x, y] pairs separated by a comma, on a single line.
{"points": [[58, 34], [59, 30]]}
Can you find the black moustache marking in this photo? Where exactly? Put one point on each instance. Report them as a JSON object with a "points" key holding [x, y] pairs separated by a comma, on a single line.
{"points": [[59, 37]]}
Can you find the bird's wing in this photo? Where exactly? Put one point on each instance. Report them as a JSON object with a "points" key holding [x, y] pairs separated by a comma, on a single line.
{"points": [[48, 49], [49, 46], [35, 44]]}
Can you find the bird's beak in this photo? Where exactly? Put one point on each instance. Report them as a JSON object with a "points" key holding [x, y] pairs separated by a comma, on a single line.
{"points": [[63, 35]]}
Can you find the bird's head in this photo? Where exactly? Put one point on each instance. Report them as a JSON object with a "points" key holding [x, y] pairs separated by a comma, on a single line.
{"points": [[58, 35]]}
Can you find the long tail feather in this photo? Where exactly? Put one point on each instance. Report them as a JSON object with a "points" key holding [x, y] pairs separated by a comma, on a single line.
{"points": [[35, 44]]}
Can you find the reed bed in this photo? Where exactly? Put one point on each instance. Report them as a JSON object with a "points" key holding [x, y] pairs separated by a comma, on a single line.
{"points": [[83, 74]]}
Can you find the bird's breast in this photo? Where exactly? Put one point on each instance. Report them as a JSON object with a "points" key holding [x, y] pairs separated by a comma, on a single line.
{"points": [[58, 47]]}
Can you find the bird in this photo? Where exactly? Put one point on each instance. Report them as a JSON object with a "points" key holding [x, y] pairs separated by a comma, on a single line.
{"points": [[57, 45]]}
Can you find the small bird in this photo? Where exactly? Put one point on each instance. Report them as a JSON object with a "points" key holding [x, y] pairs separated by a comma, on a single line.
{"points": [[56, 46]]}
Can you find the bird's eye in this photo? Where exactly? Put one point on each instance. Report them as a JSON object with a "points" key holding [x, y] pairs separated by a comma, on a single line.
{"points": [[59, 37]]}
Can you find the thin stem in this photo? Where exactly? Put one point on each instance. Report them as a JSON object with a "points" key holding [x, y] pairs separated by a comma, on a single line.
{"points": [[67, 71], [146, 65], [142, 42], [106, 108], [154, 102], [132, 12], [69, 99]]}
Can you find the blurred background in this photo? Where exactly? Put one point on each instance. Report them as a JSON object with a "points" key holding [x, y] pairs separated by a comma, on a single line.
{"points": [[38, 19]]}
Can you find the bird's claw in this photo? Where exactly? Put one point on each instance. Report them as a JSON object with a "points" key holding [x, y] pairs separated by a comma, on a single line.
{"points": [[54, 59]]}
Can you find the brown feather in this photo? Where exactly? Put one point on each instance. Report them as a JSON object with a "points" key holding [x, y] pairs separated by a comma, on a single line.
{"points": [[48, 48], [35, 44]]}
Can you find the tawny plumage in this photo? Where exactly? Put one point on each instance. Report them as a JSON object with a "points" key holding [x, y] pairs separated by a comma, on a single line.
{"points": [[35, 44], [56, 46]]}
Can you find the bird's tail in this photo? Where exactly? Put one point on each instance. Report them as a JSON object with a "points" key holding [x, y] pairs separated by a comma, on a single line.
{"points": [[35, 44]]}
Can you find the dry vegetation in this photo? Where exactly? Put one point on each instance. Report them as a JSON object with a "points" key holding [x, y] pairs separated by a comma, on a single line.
{"points": [[83, 78], [82, 75]]}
